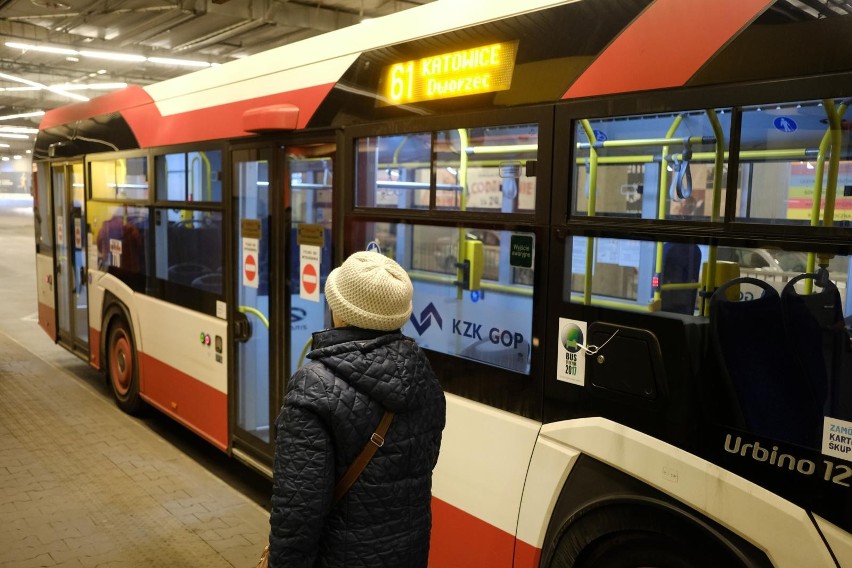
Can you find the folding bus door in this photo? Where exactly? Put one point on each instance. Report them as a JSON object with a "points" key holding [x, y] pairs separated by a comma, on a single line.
{"points": [[72, 311], [253, 313]]}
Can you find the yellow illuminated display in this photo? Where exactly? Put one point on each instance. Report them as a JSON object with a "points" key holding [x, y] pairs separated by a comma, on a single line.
{"points": [[482, 69]]}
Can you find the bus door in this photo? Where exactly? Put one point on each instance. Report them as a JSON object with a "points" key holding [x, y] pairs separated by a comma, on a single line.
{"points": [[253, 314], [70, 259], [282, 249], [309, 176]]}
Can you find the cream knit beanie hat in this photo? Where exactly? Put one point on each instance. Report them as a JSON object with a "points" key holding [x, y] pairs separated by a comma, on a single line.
{"points": [[370, 291]]}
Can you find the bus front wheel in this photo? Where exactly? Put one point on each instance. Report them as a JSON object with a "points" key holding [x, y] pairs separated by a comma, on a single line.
{"points": [[122, 366], [621, 537]]}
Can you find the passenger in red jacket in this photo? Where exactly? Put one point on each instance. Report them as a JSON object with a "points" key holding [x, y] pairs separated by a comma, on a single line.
{"points": [[357, 371]]}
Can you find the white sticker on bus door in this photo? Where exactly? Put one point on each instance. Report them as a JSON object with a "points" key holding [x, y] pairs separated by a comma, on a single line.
{"points": [[837, 438], [309, 272], [571, 365], [250, 262], [78, 234]]}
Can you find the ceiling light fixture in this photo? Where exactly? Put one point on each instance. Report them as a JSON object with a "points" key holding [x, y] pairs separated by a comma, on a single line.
{"points": [[22, 115], [18, 129], [41, 86], [51, 4], [90, 86], [181, 62], [15, 136], [113, 56], [110, 55], [41, 48]]}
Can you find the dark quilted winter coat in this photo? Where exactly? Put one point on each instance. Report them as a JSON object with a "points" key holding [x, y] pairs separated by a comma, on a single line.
{"points": [[332, 406]]}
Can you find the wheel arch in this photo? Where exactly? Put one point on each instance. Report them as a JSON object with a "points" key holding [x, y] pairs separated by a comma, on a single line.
{"points": [[594, 489], [112, 308]]}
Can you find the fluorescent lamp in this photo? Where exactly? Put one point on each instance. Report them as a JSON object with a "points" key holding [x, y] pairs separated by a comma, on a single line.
{"points": [[18, 129], [16, 136], [183, 62], [41, 86], [22, 115], [112, 56], [3, 145], [91, 86], [71, 55], [42, 48]]}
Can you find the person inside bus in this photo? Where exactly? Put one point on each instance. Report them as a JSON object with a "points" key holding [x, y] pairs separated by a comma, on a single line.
{"points": [[357, 371]]}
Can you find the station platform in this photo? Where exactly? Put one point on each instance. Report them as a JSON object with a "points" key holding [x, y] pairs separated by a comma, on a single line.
{"points": [[84, 485]]}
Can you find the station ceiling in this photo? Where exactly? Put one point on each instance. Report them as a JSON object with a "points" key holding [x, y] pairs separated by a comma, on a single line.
{"points": [[53, 52]]}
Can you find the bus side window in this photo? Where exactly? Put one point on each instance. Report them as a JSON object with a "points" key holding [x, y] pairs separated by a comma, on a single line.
{"points": [[492, 324]]}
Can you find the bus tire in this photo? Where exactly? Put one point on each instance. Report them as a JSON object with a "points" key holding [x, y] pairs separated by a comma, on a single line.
{"points": [[624, 536], [122, 366]]}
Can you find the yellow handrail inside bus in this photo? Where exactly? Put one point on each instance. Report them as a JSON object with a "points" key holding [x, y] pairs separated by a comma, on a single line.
{"points": [[593, 183], [463, 151], [305, 350], [203, 156], [833, 163], [750, 155], [258, 313], [450, 281], [833, 139], [715, 214], [641, 142], [629, 306]]}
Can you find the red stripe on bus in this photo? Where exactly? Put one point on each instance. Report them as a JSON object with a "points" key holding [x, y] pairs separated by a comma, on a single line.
{"points": [[198, 406], [111, 102], [211, 123], [461, 539], [95, 348], [216, 122], [526, 555], [665, 45], [47, 320]]}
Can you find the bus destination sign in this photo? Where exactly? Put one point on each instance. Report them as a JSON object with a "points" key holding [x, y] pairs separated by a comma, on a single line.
{"points": [[483, 69]]}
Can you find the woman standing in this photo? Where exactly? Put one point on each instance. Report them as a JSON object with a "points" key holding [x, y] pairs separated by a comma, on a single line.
{"points": [[358, 371]]}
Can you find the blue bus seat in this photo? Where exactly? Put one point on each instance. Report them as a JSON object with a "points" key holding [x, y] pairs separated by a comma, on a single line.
{"points": [[748, 339], [818, 336], [681, 264]]}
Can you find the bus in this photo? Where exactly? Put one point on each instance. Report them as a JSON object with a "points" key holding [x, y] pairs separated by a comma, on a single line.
{"points": [[627, 223]]}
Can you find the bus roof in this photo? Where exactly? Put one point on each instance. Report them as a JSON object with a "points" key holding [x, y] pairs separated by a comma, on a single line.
{"points": [[566, 49]]}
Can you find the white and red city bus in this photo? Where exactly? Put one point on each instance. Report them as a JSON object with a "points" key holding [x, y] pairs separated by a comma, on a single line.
{"points": [[628, 227]]}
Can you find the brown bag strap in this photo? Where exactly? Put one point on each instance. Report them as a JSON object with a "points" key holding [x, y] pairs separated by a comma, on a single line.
{"points": [[377, 440]]}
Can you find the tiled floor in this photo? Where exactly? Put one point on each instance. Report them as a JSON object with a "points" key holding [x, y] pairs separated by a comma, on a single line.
{"points": [[81, 483]]}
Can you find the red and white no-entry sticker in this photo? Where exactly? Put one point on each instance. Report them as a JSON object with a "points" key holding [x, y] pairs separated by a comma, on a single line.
{"points": [[309, 261], [309, 278], [250, 251], [251, 268]]}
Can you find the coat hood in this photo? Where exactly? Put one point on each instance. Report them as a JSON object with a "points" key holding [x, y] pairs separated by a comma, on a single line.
{"points": [[386, 366]]}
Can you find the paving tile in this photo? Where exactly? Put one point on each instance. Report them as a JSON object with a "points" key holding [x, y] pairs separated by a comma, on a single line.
{"points": [[82, 485]]}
